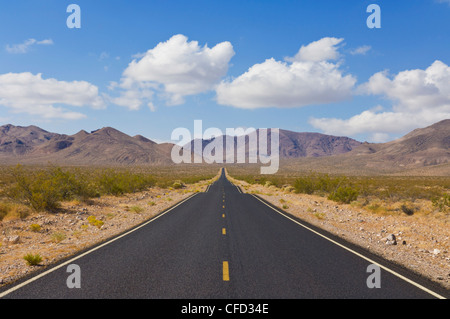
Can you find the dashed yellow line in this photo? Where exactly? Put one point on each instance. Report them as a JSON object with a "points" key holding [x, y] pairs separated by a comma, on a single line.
{"points": [[223, 215], [225, 271], [224, 231]]}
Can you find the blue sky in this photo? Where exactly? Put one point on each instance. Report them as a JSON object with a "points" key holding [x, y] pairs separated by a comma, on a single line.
{"points": [[229, 63]]}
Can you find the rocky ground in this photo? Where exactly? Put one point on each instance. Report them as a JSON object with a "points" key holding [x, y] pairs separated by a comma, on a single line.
{"points": [[419, 242], [79, 226]]}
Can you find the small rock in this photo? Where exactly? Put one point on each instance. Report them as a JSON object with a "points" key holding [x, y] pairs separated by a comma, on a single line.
{"points": [[436, 252], [391, 240], [13, 240]]}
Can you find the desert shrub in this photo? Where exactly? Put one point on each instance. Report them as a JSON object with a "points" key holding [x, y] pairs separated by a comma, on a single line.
{"points": [[319, 183], [35, 189], [442, 203], [304, 185], [58, 237], [92, 220], [33, 259], [407, 210], [119, 183], [344, 194], [4, 210], [136, 209], [268, 184], [35, 228], [178, 185]]}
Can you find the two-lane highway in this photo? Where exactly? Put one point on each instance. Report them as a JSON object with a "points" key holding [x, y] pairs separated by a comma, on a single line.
{"points": [[220, 244]]}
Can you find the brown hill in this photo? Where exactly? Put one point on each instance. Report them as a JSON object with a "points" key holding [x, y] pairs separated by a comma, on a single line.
{"points": [[292, 144], [19, 140], [421, 147], [424, 151], [106, 146]]}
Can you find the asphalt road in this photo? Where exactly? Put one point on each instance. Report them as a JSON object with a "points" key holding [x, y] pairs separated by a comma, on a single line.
{"points": [[223, 244]]}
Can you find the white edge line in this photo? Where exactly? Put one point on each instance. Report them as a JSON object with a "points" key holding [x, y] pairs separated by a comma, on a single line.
{"points": [[7, 292], [356, 253]]}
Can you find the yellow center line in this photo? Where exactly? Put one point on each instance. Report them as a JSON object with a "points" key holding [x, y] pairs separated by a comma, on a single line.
{"points": [[224, 231], [223, 215], [226, 272]]}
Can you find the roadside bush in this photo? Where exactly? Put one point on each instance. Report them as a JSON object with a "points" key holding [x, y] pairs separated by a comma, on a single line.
{"points": [[442, 203], [304, 185], [34, 189], [136, 209], [178, 185], [95, 222], [344, 195], [35, 228], [119, 183], [33, 260], [4, 209], [322, 183], [407, 210]]}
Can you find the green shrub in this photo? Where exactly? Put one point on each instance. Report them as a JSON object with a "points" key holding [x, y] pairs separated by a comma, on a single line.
{"points": [[95, 222], [344, 194], [58, 237], [136, 209], [178, 185], [119, 183], [34, 189], [304, 185], [33, 259], [35, 228], [442, 203], [4, 210]]}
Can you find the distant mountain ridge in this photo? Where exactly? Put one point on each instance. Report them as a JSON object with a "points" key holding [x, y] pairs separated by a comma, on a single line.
{"points": [[107, 146], [292, 144], [421, 147]]}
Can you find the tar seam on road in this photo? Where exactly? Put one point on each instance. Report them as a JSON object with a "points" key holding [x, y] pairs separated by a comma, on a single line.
{"points": [[354, 252], [7, 292]]}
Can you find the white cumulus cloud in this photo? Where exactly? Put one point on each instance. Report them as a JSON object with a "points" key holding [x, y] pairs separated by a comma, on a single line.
{"points": [[324, 49], [31, 94], [419, 98], [308, 78], [26, 45], [362, 50], [174, 69]]}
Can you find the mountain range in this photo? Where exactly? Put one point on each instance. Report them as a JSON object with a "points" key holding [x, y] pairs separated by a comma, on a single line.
{"points": [[429, 146]]}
